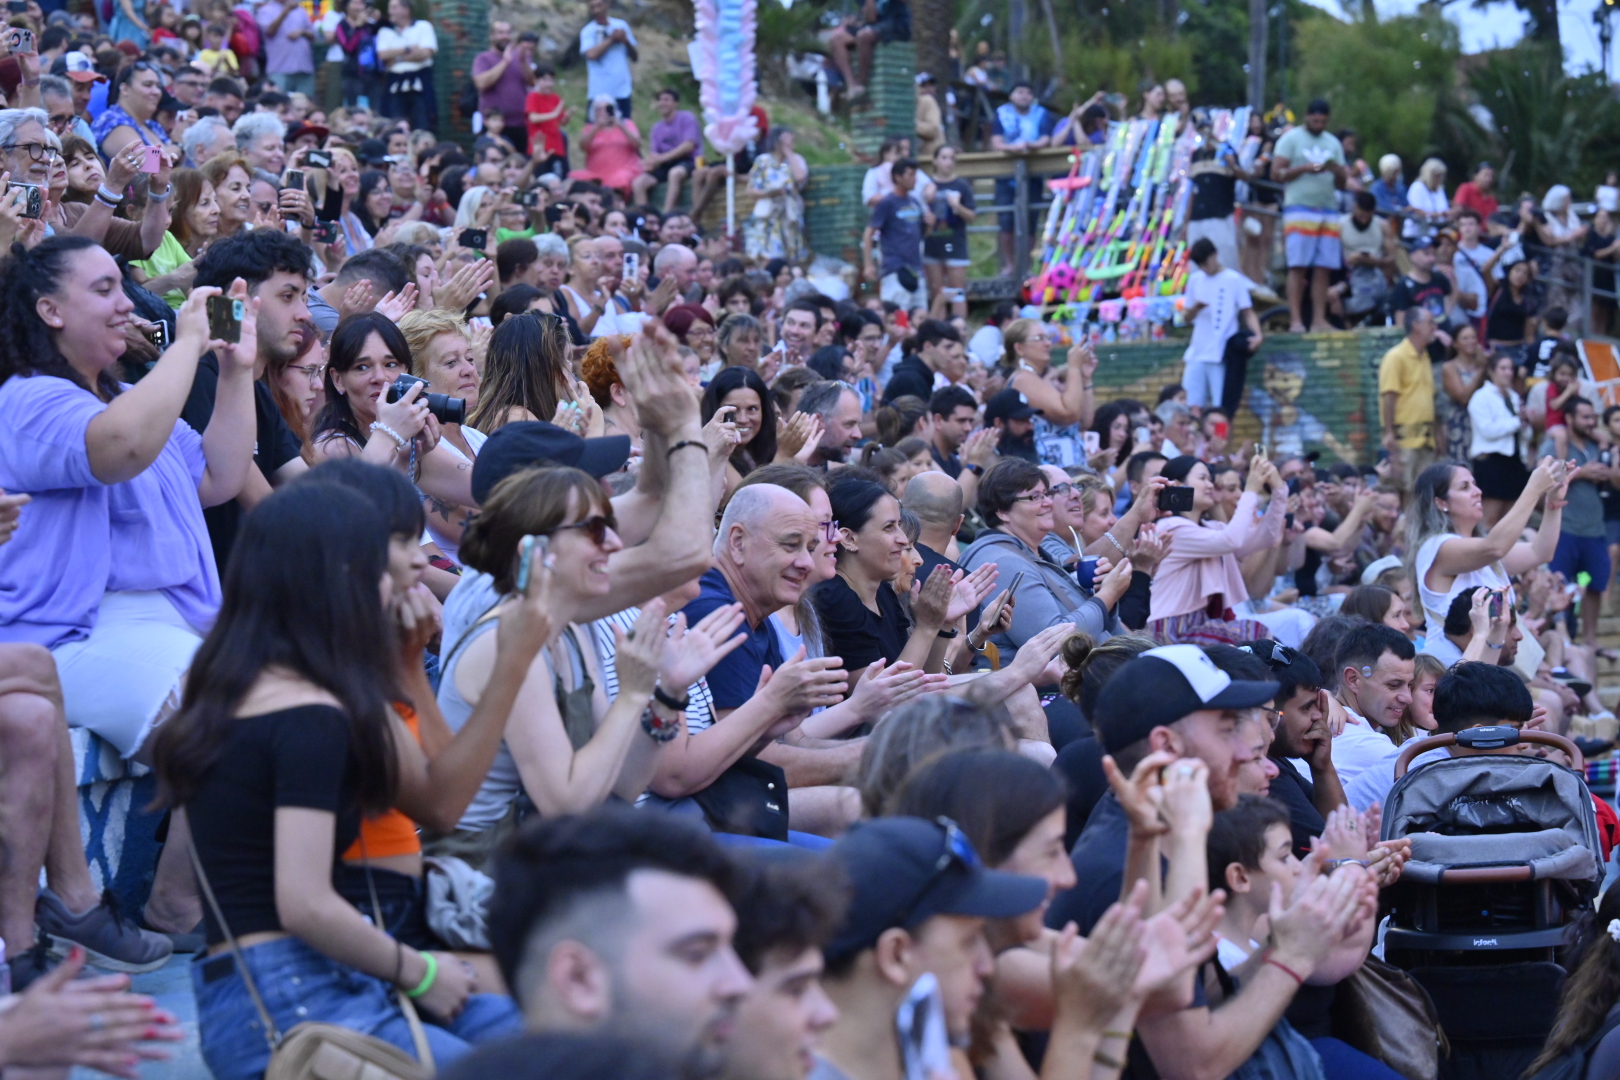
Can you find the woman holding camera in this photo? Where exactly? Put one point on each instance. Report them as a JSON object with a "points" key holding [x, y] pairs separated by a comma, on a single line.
{"points": [[368, 355], [1199, 582], [612, 146], [442, 354]]}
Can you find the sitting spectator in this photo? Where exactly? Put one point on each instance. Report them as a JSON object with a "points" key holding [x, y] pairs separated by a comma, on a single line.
{"points": [[570, 893], [260, 139], [612, 146], [742, 391], [838, 408], [676, 140], [1481, 624], [134, 118], [1585, 1037], [1373, 665], [194, 222], [377, 275], [1017, 505], [264, 747], [738, 341], [525, 377], [368, 355], [1377, 604], [233, 187], [442, 353], [1199, 583]]}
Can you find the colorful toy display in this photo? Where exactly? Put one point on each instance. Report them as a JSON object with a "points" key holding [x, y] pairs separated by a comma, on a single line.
{"points": [[1114, 248]]}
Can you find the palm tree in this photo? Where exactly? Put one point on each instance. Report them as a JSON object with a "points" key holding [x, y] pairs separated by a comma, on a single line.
{"points": [[931, 22]]}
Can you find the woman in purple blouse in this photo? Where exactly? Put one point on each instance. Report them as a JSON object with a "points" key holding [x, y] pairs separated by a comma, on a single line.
{"points": [[113, 571]]}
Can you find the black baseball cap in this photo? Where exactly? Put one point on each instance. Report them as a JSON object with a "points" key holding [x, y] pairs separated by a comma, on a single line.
{"points": [[1010, 404], [1318, 107], [1163, 685], [372, 152], [906, 870], [528, 444]]}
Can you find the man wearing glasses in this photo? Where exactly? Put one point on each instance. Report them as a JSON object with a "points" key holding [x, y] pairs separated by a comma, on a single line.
{"points": [[56, 94], [188, 87], [920, 904]]}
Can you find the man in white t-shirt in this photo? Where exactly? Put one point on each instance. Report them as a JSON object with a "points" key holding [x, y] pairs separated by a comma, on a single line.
{"points": [[1375, 665], [1217, 297], [1472, 262], [609, 46]]}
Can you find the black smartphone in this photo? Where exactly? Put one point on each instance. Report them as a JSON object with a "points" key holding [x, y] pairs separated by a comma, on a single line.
{"points": [[159, 335], [33, 198], [294, 180], [473, 239], [318, 159], [1176, 499], [530, 199], [324, 232], [225, 319], [1293, 485]]}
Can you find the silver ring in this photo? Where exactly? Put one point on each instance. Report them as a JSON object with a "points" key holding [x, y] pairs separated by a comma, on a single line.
{"points": [[97, 1022], [1184, 770]]}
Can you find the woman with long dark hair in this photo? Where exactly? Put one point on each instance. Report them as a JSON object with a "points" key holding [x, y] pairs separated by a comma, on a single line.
{"points": [[1590, 1006], [374, 201], [284, 740], [526, 377], [1112, 424], [742, 390], [368, 354]]}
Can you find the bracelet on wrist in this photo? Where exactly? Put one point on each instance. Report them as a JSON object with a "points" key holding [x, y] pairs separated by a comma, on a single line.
{"points": [[1126, 1035], [156, 197], [685, 443], [1285, 969], [1492, 645], [1106, 1061], [108, 196], [948, 634], [399, 440], [428, 979], [669, 702], [657, 727], [1333, 864]]}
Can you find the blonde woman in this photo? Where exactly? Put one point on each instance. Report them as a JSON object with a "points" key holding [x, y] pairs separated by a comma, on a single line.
{"points": [[1065, 411], [442, 353], [1427, 200]]}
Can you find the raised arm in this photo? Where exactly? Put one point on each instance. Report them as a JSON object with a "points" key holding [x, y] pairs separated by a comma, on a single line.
{"points": [[1461, 554]]}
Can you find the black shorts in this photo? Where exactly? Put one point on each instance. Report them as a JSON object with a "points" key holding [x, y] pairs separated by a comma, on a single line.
{"points": [[661, 173], [1500, 476]]}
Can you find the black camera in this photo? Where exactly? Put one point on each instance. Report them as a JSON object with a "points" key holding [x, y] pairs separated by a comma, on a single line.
{"points": [[445, 409]]}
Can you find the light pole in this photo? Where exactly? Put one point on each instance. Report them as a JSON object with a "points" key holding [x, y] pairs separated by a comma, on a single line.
{"points": [[1605, 32]]}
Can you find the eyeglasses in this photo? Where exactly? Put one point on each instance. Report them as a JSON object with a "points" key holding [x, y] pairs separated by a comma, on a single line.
{"points": [[1038, 497], [312, 372], [36, 151], [1061, 490], [595, 527], [830, 528], [958, 850], [60, 123]]}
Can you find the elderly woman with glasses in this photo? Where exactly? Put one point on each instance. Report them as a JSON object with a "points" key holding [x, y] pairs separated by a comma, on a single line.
{"points": [[1016, 501], [133, 119]]}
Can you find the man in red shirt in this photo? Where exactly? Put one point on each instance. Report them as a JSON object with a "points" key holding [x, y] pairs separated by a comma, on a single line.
{"points": [[1476, 194]]}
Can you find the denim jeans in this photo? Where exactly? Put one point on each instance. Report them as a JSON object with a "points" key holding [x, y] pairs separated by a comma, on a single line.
{"points": [[299, 984]]}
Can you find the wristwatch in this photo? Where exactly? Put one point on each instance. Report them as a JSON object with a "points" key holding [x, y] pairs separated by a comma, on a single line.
{"points": [[976, 470]]}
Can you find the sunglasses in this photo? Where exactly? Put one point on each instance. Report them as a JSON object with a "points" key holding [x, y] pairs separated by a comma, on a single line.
{"points": [[957, 851], [595, 527]]}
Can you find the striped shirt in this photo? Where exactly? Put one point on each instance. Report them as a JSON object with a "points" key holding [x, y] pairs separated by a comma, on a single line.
{"points": [[700, 709]]}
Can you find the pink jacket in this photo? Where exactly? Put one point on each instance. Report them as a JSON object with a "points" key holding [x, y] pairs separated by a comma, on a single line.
{"points": [[1203, 558]]}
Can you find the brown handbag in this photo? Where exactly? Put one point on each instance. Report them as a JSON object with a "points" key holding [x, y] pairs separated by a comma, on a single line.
{"points": [[1386, 1014], [317, 1051]]}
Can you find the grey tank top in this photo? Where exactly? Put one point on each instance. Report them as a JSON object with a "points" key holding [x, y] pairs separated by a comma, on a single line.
{"points": [[504, 783]]}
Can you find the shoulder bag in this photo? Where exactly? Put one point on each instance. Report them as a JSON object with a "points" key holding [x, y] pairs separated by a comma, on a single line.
{"points": [[318, 1051], [1386, 1014]]}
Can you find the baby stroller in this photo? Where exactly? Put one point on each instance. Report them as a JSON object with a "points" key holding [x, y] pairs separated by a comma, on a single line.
{"points": [[1505, 851]]}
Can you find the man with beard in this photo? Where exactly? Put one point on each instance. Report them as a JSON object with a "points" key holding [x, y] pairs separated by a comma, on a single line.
{"points": [[839, 407], [1581, 543], [1302, 734], [1374, 664], [801, 323], [620, 922], [786, 914], [1010, 413], [277, 271]]}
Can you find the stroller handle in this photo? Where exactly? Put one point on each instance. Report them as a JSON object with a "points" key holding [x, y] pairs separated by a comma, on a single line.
{"points": [[1435, 742]]}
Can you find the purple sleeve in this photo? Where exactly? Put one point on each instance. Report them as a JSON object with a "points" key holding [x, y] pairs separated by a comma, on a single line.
{"points": [[484, 61], [43, 422], [689, 131], [190, 444]]}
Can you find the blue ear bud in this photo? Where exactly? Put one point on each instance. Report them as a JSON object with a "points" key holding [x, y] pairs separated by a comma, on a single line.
{"points": [[1366, 672]]}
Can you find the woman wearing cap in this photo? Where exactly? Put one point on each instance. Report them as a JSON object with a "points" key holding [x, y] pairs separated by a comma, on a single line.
{"points": [[1199, 582]]}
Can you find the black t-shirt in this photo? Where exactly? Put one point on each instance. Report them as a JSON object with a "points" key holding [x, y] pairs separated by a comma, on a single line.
{"points": [[1099, 866], [1430, 295], [1506, 318], [911, 376], [1595, 242], [1299, 795], [853, 631], [292, 757], [931, 559], [948, 238], [275, 446], [950, 466], [1214, 191]]}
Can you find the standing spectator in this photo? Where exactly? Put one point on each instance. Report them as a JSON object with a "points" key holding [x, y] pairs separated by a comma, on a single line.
{"points": [[1310, 161], [1476, 194], [945, 249], [929, 124], [356, 38], [1510, 323], [1426, 199], [610, 47], [1602, 246], [1406, 391], [546, 114], [676, 139], [1468, 264], [140, 89], [406, 47], [897, 223], [1581, 545], [1215, 173], [1422, 287], [1218, 298], [777, 177], [1022, 124], [1460, 378], [1496, 417], [289, 52], [503, 74]]}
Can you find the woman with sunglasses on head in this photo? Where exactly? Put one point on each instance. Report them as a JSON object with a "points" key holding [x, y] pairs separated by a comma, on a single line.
{"points": [[567, 748], [368, 355], [1063, 411]]}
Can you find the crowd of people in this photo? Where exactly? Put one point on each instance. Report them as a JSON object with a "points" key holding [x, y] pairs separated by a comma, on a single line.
{"points": [[692, 673]]}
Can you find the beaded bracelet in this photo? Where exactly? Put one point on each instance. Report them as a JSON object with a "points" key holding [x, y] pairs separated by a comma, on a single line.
{"points": [[399, 440]]}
